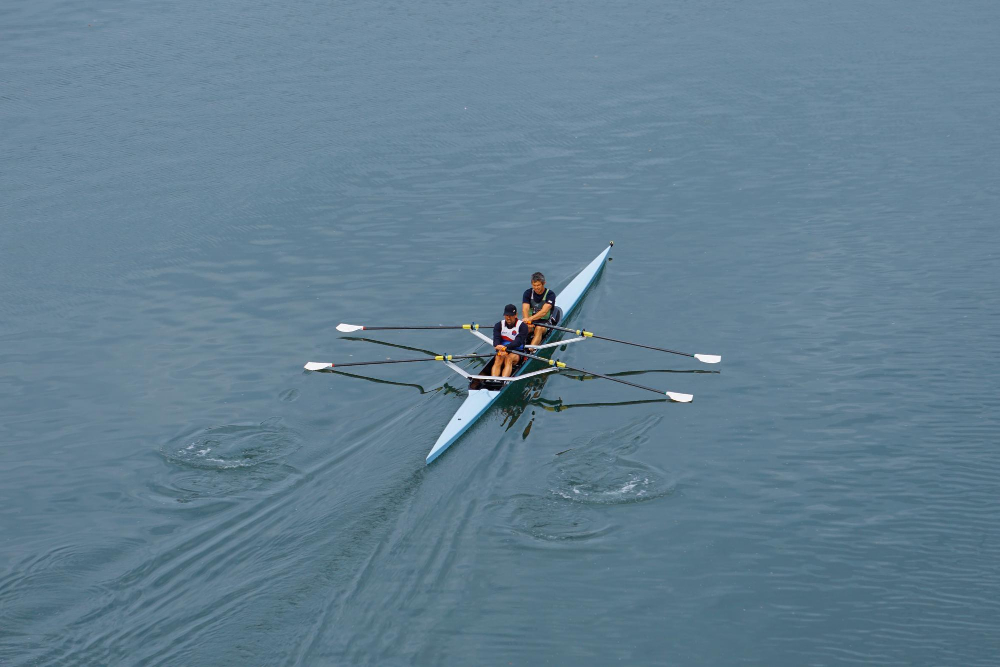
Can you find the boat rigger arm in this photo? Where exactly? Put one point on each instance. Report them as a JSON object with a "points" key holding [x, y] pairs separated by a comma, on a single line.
{"points": [[488, 340], [516, 378]]}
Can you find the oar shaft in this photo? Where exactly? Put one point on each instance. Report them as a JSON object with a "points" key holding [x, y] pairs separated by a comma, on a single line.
{"points": [[704, 358], [648, 347], [440, 357], [460, 326], [590, 334], [343, 327]]}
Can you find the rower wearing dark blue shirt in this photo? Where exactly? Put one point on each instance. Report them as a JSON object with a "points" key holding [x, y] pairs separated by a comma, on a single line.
{"points": [[538, 305], [509, 335]]}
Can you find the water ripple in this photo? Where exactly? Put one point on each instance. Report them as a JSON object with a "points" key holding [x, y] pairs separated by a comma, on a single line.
{"points": [[233, 446], [552, 520], [599, 472]]}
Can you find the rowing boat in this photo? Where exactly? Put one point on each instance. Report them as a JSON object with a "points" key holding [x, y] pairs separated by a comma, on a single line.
{"points": [[484, 391]]}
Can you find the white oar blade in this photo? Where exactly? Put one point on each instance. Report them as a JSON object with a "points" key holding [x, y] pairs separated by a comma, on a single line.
{"points": [[317, 366], [680, 398], [349, 328], [708, 358]]}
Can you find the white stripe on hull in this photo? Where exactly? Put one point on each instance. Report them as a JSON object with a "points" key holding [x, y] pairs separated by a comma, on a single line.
{"points": [[479, 400]]}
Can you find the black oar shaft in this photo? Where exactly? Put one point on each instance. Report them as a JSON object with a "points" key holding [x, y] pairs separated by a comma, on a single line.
{"points": [[648, 347], [590, 334], [443, 357], [460, 326], [560, 364]]}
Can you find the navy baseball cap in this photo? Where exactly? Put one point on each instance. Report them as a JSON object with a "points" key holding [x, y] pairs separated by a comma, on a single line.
{"points": [[510, 309]]}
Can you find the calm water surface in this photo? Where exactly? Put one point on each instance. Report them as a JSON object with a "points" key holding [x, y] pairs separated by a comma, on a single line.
{"points": [[193, 195]]}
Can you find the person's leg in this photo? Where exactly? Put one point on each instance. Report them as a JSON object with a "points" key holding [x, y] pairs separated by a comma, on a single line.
{"points": [[510, 364], [497, 368], [539, 334]]}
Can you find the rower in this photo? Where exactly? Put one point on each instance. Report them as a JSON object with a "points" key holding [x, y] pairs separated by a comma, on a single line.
{"points": [[538, 305], [509, 334]]}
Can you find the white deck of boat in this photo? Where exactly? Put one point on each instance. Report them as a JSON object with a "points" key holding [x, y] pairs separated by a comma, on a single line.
{"points": [[479, 400]]}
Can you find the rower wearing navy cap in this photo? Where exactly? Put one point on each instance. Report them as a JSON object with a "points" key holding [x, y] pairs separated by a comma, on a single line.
{"points": [[509, 334]]}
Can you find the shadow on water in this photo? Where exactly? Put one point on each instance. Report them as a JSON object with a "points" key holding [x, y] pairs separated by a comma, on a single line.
{"points": [[396, 345], [445, 388], [557, 405], [513, 403], [523, 394]]}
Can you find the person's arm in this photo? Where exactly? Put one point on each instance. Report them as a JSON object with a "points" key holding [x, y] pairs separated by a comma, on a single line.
{"points": [[544, 312], [498, 340], [526, 307]]}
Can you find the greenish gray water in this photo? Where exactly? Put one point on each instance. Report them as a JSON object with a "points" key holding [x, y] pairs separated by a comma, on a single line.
{"points": [[193, 196]]}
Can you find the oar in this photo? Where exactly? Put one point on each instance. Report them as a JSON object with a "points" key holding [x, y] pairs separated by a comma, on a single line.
{"points": [[351, 328], [673, 396], [705, 358], [319, 365]]}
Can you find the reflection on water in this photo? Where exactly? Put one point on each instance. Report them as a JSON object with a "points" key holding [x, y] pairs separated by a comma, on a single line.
{"points": [[429, 353], [446, 388]]}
